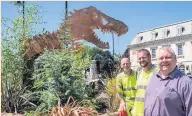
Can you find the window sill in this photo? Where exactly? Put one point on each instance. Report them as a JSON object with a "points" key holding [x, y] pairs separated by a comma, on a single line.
{"points": [[181, 56], [154, 59]]}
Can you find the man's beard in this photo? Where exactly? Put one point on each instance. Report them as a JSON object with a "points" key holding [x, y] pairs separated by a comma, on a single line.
{"points": [[126, 70], [143, 64]]}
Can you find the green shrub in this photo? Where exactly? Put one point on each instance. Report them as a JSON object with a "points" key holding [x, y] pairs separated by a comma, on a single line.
{"points": [[58, 75]]}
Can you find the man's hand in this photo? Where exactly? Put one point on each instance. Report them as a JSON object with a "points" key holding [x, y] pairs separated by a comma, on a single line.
{"points": [[122, 106]]}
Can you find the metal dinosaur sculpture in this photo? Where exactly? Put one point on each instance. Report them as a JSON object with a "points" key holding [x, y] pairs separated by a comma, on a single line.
{"points": [[81, 24]]}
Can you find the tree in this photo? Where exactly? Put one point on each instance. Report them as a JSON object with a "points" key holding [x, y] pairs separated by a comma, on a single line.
{"points": [[13, 64]]}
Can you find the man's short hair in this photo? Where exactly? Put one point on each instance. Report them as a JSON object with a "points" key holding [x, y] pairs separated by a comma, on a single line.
{"points": [[125, 56], [168, 49], [145, 50]]}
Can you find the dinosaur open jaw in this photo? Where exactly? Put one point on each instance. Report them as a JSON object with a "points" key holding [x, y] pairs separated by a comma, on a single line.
{"points": [[100, 43], [105, 30]]}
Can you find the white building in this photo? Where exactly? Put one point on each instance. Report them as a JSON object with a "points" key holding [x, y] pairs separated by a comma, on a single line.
{"points": [[178, 36]]}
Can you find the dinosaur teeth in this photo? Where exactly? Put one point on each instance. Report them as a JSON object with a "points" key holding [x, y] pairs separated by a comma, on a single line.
{"points": [[95, 35]]}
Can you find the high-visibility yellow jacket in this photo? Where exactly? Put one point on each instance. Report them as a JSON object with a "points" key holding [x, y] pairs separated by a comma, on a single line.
{"points": [[126, 85], [142, 82]]}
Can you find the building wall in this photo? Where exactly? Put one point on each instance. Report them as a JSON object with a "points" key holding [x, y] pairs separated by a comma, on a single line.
{"points": [[148, 36]]}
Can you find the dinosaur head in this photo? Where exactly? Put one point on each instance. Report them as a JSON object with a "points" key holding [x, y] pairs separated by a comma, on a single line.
{"points": [[83, 22], [106, 23]]}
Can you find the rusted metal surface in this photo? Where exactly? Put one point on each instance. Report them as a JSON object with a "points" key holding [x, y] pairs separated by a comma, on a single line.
{"points": [[84, 21], [81, 25], [39, 43]]}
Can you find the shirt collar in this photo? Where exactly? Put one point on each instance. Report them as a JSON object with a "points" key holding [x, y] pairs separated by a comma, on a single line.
{"points": [[170, 75]]}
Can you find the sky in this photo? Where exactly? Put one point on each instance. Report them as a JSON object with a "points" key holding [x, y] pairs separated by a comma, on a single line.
{"points": [[138, 16]]}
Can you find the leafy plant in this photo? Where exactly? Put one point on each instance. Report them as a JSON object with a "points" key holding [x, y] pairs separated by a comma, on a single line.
{"points": [[15, 34], [58, 75]]}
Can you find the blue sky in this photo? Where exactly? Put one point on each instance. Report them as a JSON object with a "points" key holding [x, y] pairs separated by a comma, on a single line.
{"points": [[138, 16]]}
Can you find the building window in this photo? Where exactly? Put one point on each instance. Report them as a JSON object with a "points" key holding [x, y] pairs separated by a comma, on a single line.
{"points": [[180, 30], [153, 53], [166, 33], [182, 68], [140, 38], [180, 49], [191, 69], [154, 35], [187, 67], [133, 52]]}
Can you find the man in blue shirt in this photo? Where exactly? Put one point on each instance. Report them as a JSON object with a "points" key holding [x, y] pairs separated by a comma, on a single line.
{"points": [[169, 92]]}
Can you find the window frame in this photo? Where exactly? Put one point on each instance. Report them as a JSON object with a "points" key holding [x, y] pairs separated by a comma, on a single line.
{"points": [[180, 30], [152, 54], [154, 35], [182, 68], [178, 51], [140, 39], [166, 33]]}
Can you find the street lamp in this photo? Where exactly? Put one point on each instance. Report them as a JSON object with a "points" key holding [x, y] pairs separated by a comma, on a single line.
{"points": [[66, 9], [113, 44]]}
